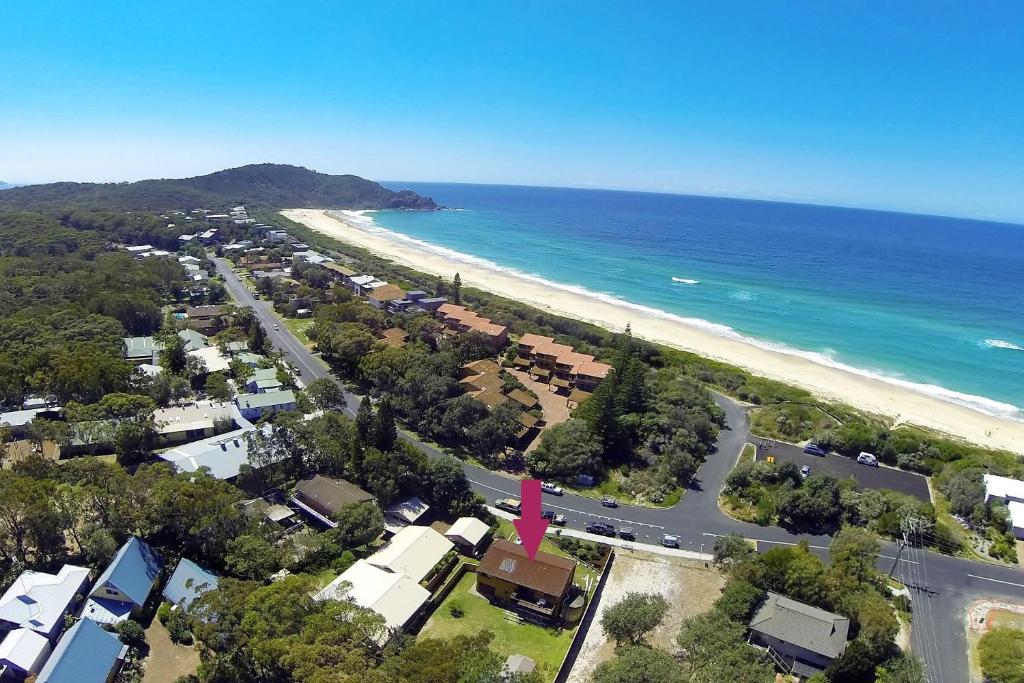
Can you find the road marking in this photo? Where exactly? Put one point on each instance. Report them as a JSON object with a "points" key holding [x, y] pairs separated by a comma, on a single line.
{"points": [[985, 578]]}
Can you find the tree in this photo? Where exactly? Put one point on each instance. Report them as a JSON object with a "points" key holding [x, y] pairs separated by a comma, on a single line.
{"points": [[344, 345], [257, 337], [855, 665], [385, 433], [326, 394], [448, 486], [739, 600], [358, 524], [217, 387], [715, 649], [852, 553], [1001, 654], [173, 357], [966, 491], [876, 623], [251, 556], [565, 450], [903, 668], [134, 441], [131, 633], [814, 506], [457, 289], [639, 664], [628, 620], [731, 549], [364, 420]]}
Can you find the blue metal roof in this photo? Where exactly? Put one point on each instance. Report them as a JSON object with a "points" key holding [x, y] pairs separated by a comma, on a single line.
{"points": [[188, 582], [86, 654], [133, 570]]}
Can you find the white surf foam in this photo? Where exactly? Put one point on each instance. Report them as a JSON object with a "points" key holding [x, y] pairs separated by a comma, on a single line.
{"points": [[974, 402], [685, 280], [1002, 344]]}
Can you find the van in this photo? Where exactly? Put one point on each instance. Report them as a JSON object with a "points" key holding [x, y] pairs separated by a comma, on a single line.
{"points": [[867, 459]]}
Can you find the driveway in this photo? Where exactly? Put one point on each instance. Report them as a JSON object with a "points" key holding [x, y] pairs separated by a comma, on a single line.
{"points": [[167, 662], [841, 467], [555, 406]]}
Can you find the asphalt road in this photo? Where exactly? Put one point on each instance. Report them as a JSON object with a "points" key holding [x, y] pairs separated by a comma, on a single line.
{"points": [[841, 467], [941, 586]]}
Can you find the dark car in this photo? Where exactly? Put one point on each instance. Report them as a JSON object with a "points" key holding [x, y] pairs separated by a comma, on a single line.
{"points": [[609, 502], [601, 528], [814, 449], [626, 533]]}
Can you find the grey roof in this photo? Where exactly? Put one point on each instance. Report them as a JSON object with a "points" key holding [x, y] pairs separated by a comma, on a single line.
{"points": [[140, 347], [273, 398], [263, 373], [519, 664], [193, 340], [223, 455], [20, 418], [133, 570], [86, 654], [188, 582], [804, 626]]}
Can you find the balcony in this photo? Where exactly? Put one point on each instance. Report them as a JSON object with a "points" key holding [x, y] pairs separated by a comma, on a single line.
{"points": [[546, 610]]}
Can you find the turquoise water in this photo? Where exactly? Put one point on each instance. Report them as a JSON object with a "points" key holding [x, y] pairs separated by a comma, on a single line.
{"points": [[934, 303]]}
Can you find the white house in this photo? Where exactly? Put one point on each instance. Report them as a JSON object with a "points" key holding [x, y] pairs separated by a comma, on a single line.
{"points": [[1003, 488], [413, 551], [39, 601], [468, 532], [392, 595]]}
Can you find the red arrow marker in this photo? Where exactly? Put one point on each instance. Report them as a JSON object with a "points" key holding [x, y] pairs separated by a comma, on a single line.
{"points": [[530, 525]]}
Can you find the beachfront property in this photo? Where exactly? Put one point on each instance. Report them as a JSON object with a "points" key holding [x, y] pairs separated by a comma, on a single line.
{"points": [[191, 423], [340, 273], [469, 533], [323, 497], [188, 582], [87, 653], [39, 602], [311, 257], [123, 588], [801, 639], [256, 406], [381, 298], [558, 364], [460, 319], [482, 381], [537, 587], [364, 284], [1010, 492]]}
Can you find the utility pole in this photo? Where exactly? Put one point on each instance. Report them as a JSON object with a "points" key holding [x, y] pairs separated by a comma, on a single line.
{"points": [[899, 551]]}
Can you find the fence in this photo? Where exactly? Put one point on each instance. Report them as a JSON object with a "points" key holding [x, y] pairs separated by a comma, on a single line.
{"points": [[585, 622]]}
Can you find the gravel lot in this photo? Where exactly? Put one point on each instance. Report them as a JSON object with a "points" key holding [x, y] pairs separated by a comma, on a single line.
{"points": [[687, 585]]}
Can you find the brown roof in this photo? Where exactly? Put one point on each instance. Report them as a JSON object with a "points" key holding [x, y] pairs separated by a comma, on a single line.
{"points": [[394, 336], [485, 366], [559, 382], [522, 362], [573, 358], [327, 495], [527, 420], [523, 397], [552, 349], [579, 396], [340, 269], [491, 397], [481, 382], [532, 340], [547, 573], [387, 293], [205, 311], [594, 369]]}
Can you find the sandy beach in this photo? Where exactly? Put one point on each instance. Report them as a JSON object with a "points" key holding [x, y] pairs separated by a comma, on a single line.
{"points": [[873, 395]]}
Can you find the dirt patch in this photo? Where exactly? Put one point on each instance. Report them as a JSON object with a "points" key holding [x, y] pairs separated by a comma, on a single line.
{"points": [[689, 587], [981, 616], [166, 661]]}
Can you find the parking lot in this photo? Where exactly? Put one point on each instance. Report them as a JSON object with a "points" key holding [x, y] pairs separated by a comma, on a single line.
{"points": [[843, 468]]}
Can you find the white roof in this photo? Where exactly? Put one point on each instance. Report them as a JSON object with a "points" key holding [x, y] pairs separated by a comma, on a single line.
{"points": [[20, 418], [1016, 513], [25, 649], [468, 529], [413, 551], [409, 510], [362, 279], [1003, 487], [150, 369], [395, 597], [214, 359], [38, 600], [140, 248], [202, 415]]}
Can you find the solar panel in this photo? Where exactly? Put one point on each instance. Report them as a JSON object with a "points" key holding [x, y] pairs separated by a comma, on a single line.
{"points": [[508, 565]]}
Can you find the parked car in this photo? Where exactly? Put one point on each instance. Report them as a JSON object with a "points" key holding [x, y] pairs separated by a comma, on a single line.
{"points": [[553, 489], [602, 528], [277, 327], [815, 449], [867, 459], [626, 533], [553, 518], [609, 502], [558, 520], [508, 505], [670, 541], [805, 471]]}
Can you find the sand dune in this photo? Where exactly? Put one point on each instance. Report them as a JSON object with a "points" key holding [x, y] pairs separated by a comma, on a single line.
{"points": [[874, 395]]}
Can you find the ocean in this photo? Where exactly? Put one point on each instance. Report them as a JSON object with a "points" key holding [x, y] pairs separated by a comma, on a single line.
{"points": [[934, 304]]}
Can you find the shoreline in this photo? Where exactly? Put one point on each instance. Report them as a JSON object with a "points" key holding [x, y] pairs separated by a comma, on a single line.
{"points": [[870, 394]]}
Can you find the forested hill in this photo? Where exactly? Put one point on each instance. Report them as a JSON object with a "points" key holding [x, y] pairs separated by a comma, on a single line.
{"points": [[273, 186]]}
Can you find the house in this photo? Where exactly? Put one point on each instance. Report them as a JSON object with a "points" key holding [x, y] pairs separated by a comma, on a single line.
{"points": [[339, 272], [576, 397], [21, 450], [461, 319], [19, 420], [806, 639], [271, 509], [206, 319], [122, 589], [311, 257], [1003, 488], [468, 533], [380, 297], [140, 350], [393, 595], [188, 582], [193, 341], [416, 295], [39, 601], [431, 304], [413, 551], [23, 652], [191, 423], [508, 576], [150, 370], [223, 455], [558, 364], [323, 497], [212, 359], [255, 406], [85, 654], [253, 360], [403, 513], [262, 381]]}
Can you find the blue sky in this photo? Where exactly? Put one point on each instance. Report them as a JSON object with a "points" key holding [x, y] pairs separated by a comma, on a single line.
{"points": [[899, 105]]}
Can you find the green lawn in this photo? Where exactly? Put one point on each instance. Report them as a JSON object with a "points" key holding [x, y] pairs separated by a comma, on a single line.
{"points": [[546, 646], [298, 327], [583, 572]]}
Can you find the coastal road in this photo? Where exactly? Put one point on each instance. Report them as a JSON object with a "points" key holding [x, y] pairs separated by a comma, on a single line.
{"points": [[941, 586]]}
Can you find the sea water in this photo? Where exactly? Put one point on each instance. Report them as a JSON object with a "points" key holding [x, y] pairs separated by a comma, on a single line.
{"points": [[933, 303]]}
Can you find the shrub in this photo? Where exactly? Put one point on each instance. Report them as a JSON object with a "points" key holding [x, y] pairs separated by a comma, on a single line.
{"points": [[455, 609], [131, 633], [177, 628], [163, 612]]}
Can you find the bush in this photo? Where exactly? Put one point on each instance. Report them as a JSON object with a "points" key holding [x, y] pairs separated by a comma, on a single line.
{"points": [[131, 633], [163, 612], [455, 609], [178, 629]]}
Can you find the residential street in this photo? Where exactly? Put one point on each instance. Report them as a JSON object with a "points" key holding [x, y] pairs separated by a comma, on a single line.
{"points": [[941, 585]]}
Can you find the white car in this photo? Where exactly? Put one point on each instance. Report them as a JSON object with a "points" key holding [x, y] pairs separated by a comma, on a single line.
{"points": [[277, 327], [867, 459], [805, 471], [553, 489]]}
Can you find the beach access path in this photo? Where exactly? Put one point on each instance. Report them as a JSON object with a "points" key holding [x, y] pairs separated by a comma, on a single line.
{"points": [[941, 587]]}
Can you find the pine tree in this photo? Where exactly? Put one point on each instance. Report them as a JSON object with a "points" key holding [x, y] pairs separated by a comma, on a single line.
{"points": [[385, 433], [601, 413], [257, 337], [457, 289], [364, 421]]}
